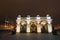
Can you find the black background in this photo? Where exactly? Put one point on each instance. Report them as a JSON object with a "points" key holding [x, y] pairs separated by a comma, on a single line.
{"points": [[12, 8]]}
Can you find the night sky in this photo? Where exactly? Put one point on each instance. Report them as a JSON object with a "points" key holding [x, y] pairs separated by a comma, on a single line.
{"points": [[12, 8]]}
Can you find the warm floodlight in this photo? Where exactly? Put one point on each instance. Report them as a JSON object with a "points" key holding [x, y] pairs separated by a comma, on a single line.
{"points": [[48, 17], [38, 19]]}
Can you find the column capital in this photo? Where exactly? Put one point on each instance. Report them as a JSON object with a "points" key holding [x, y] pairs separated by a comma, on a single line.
{"points": [[49, 21]]}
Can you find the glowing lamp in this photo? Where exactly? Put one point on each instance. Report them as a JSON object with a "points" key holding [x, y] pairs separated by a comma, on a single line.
{"points": [[38, 19], [49, 17]]}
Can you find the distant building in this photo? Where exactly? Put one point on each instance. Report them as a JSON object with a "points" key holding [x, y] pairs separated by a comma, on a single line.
{"points": [[34, 24]]}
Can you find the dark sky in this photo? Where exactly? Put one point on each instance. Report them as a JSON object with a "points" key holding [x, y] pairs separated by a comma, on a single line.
{"points": [[12, 8]]}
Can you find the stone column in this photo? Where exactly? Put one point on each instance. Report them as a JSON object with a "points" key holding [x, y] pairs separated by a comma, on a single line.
{"points": [[49, 25], [28, 28], [28, 24], [18, 28], [38, 25], [49, 28], [18, 20], [49, 20], [38, 28]]}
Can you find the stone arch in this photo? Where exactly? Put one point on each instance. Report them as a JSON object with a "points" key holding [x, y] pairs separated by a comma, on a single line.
{"points": [[33, 26], [23, 25], [44, 26]]}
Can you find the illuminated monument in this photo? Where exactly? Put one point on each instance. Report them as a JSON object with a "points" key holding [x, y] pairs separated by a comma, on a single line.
{"points": [[34, 23]]}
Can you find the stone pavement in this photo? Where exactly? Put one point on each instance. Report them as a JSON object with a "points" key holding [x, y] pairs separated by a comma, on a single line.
{"points": [[28, 36]]}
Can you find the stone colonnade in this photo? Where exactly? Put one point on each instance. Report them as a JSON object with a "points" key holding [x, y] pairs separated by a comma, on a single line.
{"points": [[48, 19]]}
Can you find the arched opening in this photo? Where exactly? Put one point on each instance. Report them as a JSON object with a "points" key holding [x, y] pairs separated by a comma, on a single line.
{"points": [[44, 28], [33, 28], [23, 26]]}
